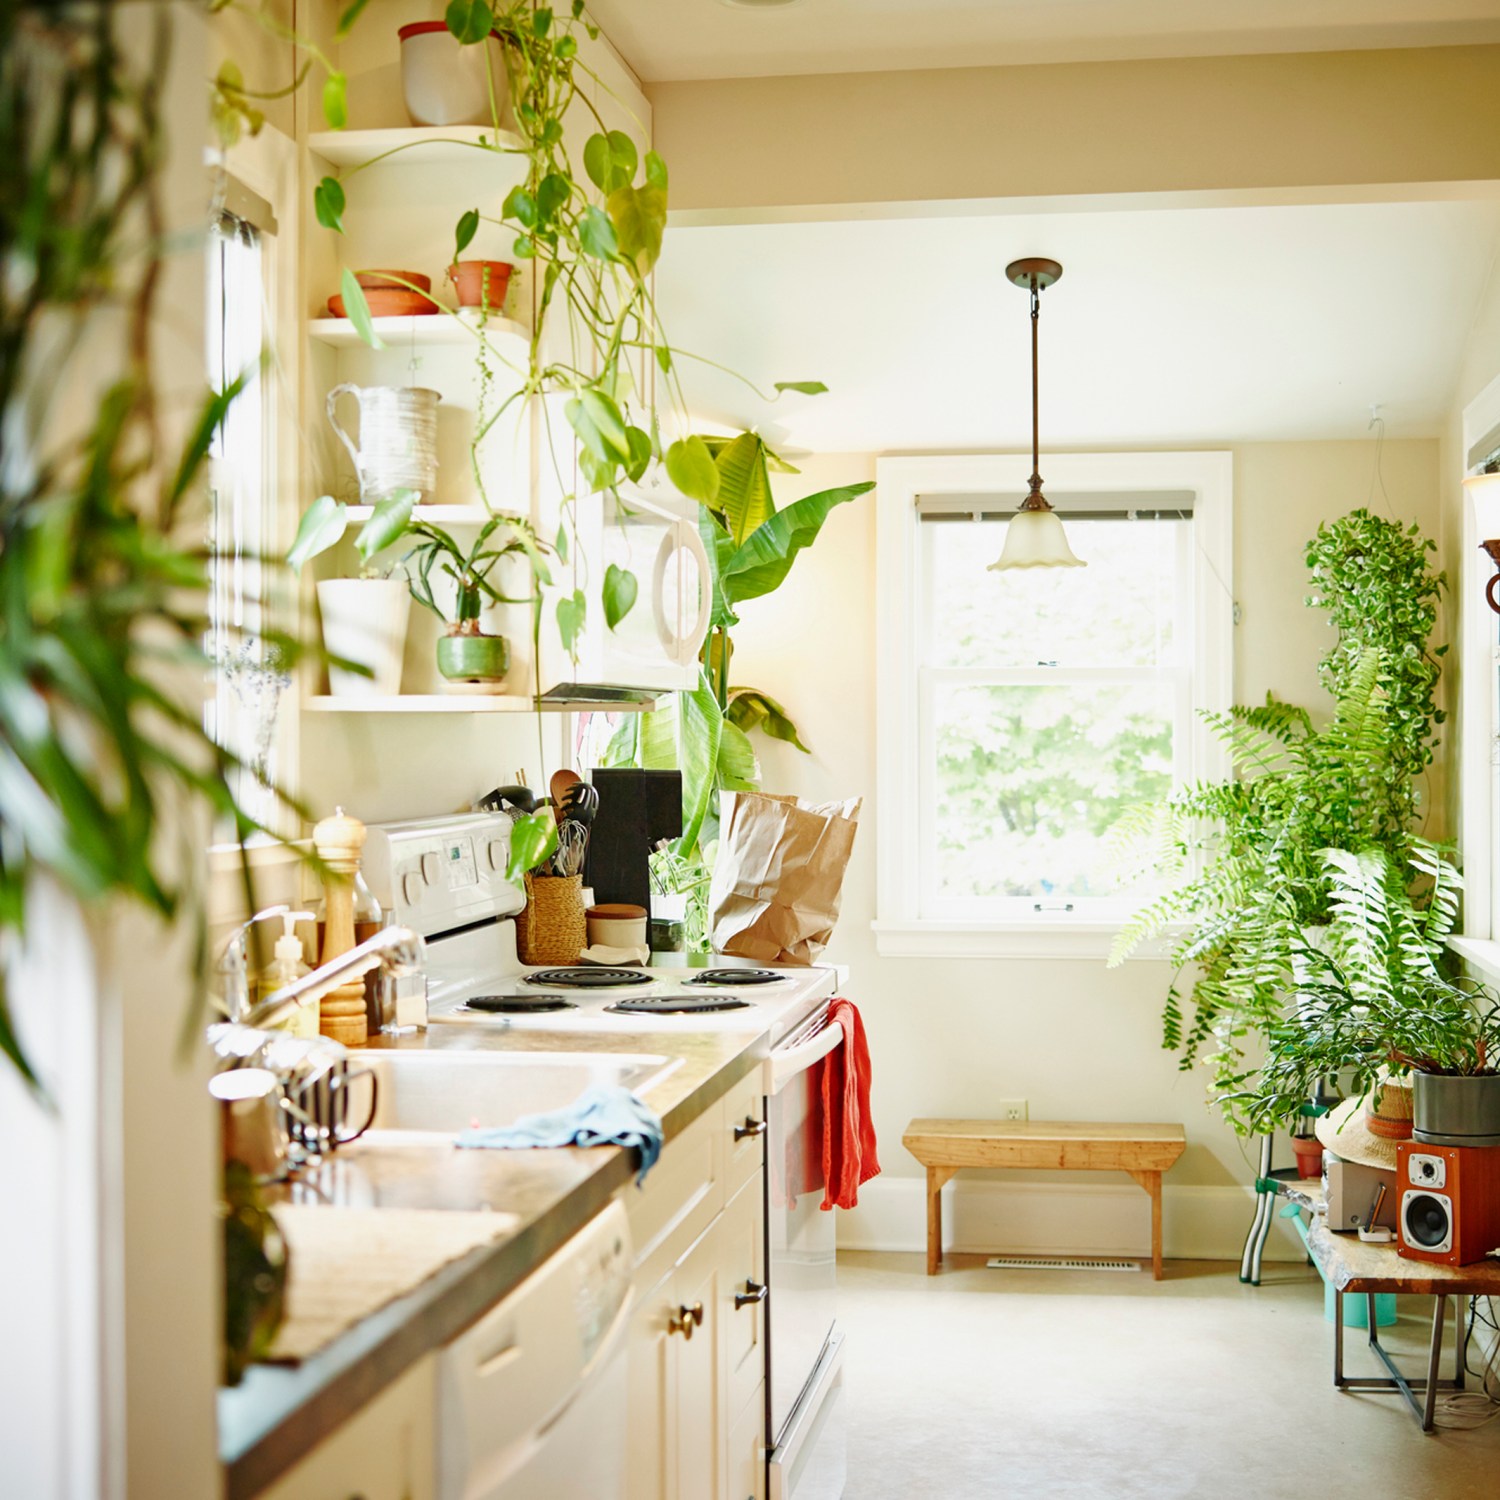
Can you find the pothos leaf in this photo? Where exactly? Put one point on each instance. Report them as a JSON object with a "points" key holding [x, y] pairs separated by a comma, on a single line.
{"points": [[469, 20], [328, 204], [336, 101], [620, 591], [572, 610], [639, 216], [350, 16], [560, 545], [610, 160], [690, 467], [596, 234], [803, 387], [463, 234], [532, 839], [359, 310]]}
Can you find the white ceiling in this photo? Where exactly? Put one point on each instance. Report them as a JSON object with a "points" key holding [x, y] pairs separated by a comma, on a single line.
{"points": [[673, 39], [1183, 326]]}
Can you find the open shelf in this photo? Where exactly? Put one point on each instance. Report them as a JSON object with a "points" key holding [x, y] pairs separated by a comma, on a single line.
{"points": [[465, 703], [415, 146], [439, 515], [428, 328]]}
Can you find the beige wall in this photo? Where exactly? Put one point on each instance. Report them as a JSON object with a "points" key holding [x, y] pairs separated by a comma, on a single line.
{"points": [[1075, 1039], [1165, 125]]}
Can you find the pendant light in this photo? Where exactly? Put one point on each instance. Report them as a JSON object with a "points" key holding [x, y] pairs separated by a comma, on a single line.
{"points": [[1035, 537]]}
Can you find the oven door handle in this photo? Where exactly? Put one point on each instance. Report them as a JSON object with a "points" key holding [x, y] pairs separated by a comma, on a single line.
{"points": [[785, 1063]]}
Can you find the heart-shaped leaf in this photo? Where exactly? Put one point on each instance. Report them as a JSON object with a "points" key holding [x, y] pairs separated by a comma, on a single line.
{"points": [[610, 160], [620, 591], [596, 234], [336, 101], [328, 203], [469, 20], [803, 387], [640, 453], [639, 216], [359, 310], [606, 418], [532, 839], [572, 610], [690, 467], [349, 17], [463, 235], [520, 206], [552, 193], [322, 524], [560, 545], [656, 171], [664, 358]]}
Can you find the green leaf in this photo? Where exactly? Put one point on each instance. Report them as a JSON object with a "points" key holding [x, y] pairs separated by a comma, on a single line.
{"points": [[328, 203], [744, 485], [664, 358], [639, 461], [350, 16], [610, 160], [560, 545], [736, 769], [336, 101], [572, 610], [463, 235], [692, 470], [524, 247], [322, 524], [541, 22], [700, 730], [387, 523], [532, 839], [750, 708], [766, 556], [596, 234], [359, 310], [599, 470], [520, 206], [803, 387], [565, 47], [470, 20], [656, 171], [620, 590], [639, 215], [552, 193], [606, 418], [719, 546]]}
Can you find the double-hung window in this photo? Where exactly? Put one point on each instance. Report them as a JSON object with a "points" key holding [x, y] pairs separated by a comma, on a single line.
{"points": [[1023, 713]]}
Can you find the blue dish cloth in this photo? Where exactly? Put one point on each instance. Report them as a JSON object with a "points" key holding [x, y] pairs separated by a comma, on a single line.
{"points": [[597, 1117]]}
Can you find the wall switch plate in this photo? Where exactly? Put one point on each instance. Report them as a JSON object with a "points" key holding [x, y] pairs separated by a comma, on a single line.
{"points": [[1013, 1109]]}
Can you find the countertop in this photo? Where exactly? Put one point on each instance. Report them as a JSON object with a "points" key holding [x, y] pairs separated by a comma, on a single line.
{"points": [[279, 1413]]}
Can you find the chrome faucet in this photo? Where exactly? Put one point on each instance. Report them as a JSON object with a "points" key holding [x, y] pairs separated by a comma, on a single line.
{"points": [[396, 949], [234, 963]]}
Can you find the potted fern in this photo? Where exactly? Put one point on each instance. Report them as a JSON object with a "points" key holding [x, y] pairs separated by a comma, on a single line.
{"points": [[1254, 864]]}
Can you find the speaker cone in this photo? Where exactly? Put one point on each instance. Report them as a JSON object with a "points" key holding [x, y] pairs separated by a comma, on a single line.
{"points": [[1427, 1220]]}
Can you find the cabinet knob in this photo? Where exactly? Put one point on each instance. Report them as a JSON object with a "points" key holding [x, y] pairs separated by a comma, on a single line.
{"points": [[754, 1292], [686, 1319], [751, 1127]]}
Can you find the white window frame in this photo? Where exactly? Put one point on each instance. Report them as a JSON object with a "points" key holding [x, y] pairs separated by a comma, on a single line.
{"points": [[1478, 708], [268, 164], [900, 931]]}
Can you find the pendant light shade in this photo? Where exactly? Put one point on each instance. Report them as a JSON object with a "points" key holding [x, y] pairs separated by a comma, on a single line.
{"points": [[1035, 537], [1486, 481]]}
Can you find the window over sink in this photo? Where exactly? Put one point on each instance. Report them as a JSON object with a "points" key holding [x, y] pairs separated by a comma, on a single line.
{"points": [[1022, 713]]}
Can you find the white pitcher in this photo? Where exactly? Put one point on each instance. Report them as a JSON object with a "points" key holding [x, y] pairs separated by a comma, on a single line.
{"points": [[397, 438]]}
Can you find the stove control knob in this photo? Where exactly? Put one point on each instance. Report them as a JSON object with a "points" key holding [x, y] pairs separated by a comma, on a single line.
{"points": [[496, 852], [411, 887], [430, 867]]}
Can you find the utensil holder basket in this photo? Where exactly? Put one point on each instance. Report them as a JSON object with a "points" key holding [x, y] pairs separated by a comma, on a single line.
{"points": [[551, 928]]}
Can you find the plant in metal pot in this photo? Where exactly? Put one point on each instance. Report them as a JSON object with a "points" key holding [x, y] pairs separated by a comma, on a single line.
{"points": [[1245, 860]]}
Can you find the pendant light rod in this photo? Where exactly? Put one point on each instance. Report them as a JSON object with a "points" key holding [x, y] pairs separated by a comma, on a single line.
{"points": [[1034, 274]]}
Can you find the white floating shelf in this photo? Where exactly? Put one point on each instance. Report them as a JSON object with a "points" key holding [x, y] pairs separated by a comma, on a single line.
{"points": [[428, 328], [439, 515], [417, 146], [466, 703]]}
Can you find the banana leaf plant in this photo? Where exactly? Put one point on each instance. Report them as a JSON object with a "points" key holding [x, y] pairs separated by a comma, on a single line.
{"points": [[751, 547]]}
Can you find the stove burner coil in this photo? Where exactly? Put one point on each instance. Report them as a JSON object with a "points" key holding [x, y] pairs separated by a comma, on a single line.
{"points": [[519, 1004], [586, 977], [669, 1005], [736, 977]]}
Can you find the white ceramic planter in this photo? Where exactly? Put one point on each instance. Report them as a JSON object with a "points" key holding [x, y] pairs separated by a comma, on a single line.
{"points": [[445, 83], [364, 620]]}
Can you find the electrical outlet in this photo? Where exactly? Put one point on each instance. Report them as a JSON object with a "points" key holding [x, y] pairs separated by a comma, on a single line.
{"points": [[1013, 1109]]}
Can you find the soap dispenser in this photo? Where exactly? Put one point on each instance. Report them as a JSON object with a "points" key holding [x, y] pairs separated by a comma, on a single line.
{"points": [[288, 964]]}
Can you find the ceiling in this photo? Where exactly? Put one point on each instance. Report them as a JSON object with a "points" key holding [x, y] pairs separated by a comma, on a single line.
{"points": [[677, 39], [1184, 326]]}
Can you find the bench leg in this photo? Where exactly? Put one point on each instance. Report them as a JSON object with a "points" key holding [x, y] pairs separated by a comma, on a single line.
{"points": [[936, 1177], [1151, 1181]]}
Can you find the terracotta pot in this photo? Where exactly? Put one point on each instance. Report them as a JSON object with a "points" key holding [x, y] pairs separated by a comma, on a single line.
{"points": [[1309, 1153], [388, 302], [398, 281], [469, 280]]}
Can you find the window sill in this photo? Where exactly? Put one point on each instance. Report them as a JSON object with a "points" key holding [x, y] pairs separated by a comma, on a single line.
{"points": [[1067, 939], [262, 853], [1481, 954]]}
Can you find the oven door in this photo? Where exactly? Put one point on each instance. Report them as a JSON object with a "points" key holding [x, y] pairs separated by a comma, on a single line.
{"points": [[807, 1436]]}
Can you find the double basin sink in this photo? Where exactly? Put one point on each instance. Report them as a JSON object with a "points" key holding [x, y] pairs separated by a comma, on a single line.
{"points": [[448, 1091]]}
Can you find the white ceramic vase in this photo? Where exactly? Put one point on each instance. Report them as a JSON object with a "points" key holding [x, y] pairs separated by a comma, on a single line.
{"points": [[364, 621]]}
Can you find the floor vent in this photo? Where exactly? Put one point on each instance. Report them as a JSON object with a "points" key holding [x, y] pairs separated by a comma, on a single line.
{"points": [[1054, 1263]]}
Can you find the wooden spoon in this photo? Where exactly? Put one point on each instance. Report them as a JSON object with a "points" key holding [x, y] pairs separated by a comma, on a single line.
{"points": [[558, 786]]}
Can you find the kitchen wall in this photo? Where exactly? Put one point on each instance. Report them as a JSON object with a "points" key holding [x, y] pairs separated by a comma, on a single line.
{"points": [[1075, 1039]]}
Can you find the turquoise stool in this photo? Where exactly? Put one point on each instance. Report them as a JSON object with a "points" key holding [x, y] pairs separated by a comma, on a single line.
{"points": [[1355, 1315]]}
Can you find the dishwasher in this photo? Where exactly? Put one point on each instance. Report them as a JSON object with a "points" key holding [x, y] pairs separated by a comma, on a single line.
{"points": [[532, 1398]]}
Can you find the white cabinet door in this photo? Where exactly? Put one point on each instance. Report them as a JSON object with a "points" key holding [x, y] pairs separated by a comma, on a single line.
{"points": [[700, 1437], [742, 1294]]}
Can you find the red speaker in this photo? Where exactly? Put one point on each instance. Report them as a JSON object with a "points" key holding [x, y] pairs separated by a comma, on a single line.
{"points": [[1449, 1205]]}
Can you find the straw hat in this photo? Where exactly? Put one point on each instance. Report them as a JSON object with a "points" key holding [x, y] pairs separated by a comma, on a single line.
{"points": [[1366, 1129]]}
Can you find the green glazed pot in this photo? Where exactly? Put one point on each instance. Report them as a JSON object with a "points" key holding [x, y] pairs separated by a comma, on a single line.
{"points": [[473, 658]]}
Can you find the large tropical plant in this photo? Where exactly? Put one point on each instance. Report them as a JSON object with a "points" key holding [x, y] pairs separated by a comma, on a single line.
{"points": [[1248, 862], [751, 547]]}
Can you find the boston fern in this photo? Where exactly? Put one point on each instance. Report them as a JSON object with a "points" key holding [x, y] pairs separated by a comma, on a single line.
{"points": [[1254, 863]]}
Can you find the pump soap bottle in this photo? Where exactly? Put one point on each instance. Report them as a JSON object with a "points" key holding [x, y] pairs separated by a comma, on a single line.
{"points": [[289, 963]]}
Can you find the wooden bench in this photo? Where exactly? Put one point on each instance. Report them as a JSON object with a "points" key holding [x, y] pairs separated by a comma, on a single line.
{"points": [[945, 1147]]}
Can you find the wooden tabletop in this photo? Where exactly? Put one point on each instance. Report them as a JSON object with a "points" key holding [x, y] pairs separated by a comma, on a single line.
{"points": [[1351, 1265], [1047, 1130]]}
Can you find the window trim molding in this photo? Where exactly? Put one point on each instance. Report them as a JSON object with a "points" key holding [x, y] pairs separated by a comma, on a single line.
{"points": [[899, 931]]}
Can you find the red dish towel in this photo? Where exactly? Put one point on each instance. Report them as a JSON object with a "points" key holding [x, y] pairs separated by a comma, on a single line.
{"points": [[848, 1132]]}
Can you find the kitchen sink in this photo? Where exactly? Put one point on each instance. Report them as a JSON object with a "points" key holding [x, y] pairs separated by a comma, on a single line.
{"points": [[452, 1091]]}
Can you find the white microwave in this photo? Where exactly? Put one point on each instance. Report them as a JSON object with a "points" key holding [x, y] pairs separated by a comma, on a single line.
{"points": [[651, 532]]}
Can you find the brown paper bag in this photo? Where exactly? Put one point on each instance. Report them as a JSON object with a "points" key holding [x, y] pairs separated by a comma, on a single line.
{"points": [[779, 875]]}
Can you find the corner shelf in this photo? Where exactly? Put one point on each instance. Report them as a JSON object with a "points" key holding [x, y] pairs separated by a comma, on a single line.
{"points": [[425, 328], [415, 146]]}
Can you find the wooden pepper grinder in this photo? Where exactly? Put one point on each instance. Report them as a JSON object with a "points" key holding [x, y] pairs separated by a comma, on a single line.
{"points": [[338, 841]]}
